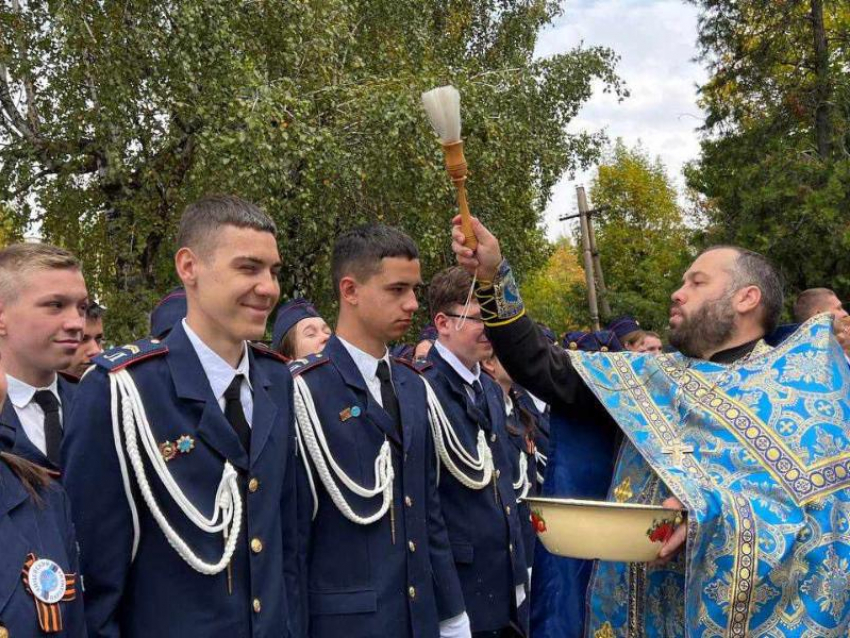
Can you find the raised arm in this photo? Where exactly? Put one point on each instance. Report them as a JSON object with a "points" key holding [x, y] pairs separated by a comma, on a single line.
{"points": [[542, 368]]}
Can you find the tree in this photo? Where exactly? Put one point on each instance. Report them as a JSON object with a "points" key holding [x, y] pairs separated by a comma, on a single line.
{"points": [[556, 294], [774, 172], [641, 236], [115, 115]]}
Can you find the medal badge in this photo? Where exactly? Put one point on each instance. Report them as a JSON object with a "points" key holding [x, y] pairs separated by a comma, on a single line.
{"points": [[45, 581]]}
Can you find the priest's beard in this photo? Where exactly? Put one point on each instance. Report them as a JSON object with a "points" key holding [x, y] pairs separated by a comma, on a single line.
{"points": [[709, 327]]}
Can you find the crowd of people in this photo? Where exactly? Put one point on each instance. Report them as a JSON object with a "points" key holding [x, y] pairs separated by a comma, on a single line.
{"points": [[199, 482]]}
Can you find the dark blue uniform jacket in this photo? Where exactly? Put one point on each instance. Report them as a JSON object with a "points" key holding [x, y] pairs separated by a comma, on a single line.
{"points": [[362, 582], [157, 593]]}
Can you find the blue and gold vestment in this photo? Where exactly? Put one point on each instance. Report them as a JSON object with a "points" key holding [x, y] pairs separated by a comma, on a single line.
{"points": [[759, 453]]}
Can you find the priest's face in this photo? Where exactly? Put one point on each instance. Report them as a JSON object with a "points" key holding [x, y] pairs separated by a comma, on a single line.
{"points": [[703, 315]]}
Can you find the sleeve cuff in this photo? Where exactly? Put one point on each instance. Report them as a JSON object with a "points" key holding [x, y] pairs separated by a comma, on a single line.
{"points": [[457, 627], [500, 300]]}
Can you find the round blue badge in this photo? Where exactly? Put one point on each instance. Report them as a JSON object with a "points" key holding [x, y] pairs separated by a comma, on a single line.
{"points": [[47, 581], [355, 411]]}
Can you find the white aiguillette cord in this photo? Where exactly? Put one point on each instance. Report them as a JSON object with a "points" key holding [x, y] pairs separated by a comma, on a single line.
{"points": [[227, 514], [465, 313], [310, 433]]}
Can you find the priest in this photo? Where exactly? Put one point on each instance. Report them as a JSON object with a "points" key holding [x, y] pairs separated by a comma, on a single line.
{"points": [[749, 440]]}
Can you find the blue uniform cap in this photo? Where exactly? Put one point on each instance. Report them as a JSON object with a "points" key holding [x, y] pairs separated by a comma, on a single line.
{"points": [[169, 310], [621, 326], [608, 341], [428, 333], [585, 341], [288, 315]]}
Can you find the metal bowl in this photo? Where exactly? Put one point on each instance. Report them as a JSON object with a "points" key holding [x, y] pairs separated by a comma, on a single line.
{"points": [[600, 530]]}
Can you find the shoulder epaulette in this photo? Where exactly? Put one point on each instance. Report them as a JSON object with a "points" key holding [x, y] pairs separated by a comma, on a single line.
{"points": [[70, 378], [417, 366], [119, 358], [300, 366], [263, 349]]}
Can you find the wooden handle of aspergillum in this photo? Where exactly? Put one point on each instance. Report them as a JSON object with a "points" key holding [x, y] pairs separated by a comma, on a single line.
{"points": [[456, 166]]}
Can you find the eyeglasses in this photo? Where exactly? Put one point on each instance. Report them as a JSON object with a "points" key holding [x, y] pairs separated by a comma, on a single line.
{"points": [[468, 318]]}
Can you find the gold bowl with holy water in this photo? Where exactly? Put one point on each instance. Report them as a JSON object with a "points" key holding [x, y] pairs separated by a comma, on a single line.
{"points": [[624, 532]]}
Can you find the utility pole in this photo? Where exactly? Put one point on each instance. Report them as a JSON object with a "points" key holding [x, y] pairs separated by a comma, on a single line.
{"points": [[594, 252], [596, 290]]}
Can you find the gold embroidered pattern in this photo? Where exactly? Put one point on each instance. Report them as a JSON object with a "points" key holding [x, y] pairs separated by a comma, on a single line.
{"points": [[623, 492], [802, 482], [744, 569], [605, 631]]}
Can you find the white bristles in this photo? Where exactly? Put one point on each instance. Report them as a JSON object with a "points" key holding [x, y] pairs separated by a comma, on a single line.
{"points": [[443, 108]]}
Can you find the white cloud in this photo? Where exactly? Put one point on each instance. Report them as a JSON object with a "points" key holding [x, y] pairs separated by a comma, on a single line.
{"points": [[656, 40]]}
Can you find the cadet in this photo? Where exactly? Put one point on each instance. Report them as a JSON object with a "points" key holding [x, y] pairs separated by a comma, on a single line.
{"points": [[168, 312], [378, 552], [299, 330], [43, 301], [91, 342], [180, 453], [39, 582], [476, 490], [522, 450]]}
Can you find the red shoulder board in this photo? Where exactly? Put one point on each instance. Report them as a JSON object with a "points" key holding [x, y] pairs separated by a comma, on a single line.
{"points": [[300, 366], [417, 366], [119, 358], [263, 349]]}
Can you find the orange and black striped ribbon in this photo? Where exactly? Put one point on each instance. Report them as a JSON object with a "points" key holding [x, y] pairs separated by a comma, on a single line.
{"points": [[49, 614]]}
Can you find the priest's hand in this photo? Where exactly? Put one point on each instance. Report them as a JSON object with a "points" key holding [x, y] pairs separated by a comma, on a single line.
{"points": [[485, 259], [676, 542]]}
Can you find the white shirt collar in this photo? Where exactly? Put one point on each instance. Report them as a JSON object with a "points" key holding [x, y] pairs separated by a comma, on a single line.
{"points": [[219, 372], [509, 404], [469, 376], [21, 394], [365, 362]]}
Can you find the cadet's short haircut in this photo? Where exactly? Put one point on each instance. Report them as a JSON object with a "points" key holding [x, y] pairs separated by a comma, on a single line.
{"points": [[203, 219], [19, 260], [94, 311], [754, 269], [359, 251], [448, 288], [811, 302]]}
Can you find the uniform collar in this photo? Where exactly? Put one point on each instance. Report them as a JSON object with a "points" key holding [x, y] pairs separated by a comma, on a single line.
{"points": [[21, 394], [219, 372], [469, 376], [365, 362]]}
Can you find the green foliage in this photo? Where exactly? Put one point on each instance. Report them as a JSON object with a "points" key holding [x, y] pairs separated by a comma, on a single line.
{"points": [[774, 173], [556, 294], [118, 114], [642, 239]]}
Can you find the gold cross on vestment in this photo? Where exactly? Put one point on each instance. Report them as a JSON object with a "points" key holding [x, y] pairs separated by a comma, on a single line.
{"points": [[678, 450]]}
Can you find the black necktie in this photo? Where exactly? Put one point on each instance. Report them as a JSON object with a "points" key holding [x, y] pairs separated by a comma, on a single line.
{"points": [[388, 397], [235, 414], [52, 426], [481, 403]]}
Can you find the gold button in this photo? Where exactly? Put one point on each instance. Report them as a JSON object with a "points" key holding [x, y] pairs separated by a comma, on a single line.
{"points": [[257, 605], [411, 592], [408, 501], [498, 473], [493, 438], [256, 545], [253, 485], [511, 548], [411, 545], [508, 509]]}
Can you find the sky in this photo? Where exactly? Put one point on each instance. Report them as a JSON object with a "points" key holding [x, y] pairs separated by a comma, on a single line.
{"points": [[656, 41]]}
